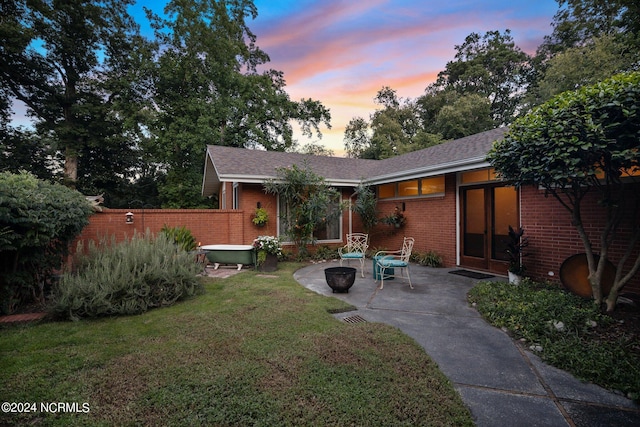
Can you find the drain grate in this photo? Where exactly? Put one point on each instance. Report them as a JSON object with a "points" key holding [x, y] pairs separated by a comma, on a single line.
{"points": [[354, 319]]}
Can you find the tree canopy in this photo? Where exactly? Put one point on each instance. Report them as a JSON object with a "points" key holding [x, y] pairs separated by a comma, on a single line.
{"points": [[481, 89], [118, 113], [64, 62], [208, 91]]}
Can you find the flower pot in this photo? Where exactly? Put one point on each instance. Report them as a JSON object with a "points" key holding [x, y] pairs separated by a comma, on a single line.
{"points": [[270, 263], [340, 279]]}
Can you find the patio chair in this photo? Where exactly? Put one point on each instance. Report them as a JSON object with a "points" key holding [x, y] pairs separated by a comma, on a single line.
{"points": [[387, 262], [356, 248]]}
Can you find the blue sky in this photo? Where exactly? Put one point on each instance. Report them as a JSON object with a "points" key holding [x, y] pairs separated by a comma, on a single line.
{"points": [[341, 52]]}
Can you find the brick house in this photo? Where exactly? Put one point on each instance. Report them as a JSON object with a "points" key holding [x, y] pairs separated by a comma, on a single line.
{"points": [[453, 202]]}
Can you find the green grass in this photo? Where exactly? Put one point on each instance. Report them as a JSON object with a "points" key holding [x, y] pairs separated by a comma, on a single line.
{"points": [[587, 344], [253, 350]]}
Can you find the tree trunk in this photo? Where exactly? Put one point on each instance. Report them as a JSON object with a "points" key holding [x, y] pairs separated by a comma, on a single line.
{"points": [[70, 168]]}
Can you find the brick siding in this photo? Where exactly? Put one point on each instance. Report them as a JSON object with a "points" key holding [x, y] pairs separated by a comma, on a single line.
{"points": [[431, 221]]}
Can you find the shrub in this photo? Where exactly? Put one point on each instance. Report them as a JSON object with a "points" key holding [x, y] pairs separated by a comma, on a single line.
{"points": [[181, 236], [429, 259], [38, 221], [126, 278], [325, 252], [565, 330]]}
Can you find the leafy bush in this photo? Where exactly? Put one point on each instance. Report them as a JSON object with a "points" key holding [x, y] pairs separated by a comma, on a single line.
{"points": [[126, 278], [38, 221], [325, 252], [181, 236], [563, 329]]}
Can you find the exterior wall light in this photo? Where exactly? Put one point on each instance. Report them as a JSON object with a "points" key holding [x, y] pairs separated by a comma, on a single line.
{"points": [[129, 217]]}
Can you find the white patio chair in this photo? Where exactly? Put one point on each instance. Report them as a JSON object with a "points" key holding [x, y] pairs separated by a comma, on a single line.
{"points": [[356, 248], [392, 260]]}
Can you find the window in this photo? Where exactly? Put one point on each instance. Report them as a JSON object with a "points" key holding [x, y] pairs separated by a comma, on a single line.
{"points": [[330, 230], [483, 175], [327, 231], [408, 188], [432, 186], [223, 204], [386, 191], [235, 202]]}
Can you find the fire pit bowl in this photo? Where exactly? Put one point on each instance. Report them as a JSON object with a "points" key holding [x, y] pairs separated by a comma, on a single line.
{"points": [[340, 279]]}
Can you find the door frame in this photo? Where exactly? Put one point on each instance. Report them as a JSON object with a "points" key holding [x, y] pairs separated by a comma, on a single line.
{"points": [[487, 263]]}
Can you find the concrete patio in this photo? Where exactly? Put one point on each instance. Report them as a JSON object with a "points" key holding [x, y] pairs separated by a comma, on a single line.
{"points": [[501, 381]]}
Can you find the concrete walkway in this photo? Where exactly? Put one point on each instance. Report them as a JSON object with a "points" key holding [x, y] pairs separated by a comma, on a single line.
{"points": [[501, 381]]}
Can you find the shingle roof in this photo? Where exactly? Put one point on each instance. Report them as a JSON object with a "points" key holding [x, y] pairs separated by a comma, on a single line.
{"points": [[243, 165], [259, 163], [464, 153]]}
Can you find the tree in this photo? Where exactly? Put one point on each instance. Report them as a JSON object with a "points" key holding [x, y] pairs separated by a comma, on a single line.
{"points": [[467, 115], [591, 41], [61, 59], [491, 66], [357, 138], [580, 142], [208, 90], [314, 148], [578, 22], [307, 200], [394, 129], [21, 149], [583, 65]]}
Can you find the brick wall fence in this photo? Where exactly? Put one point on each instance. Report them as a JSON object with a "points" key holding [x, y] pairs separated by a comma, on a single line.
{"points": [[208, 226]]}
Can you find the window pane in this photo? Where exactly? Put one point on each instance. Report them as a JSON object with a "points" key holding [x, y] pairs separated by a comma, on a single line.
{"points": [[505, 214], [408, 188], [474, 223], [386, 191], [483, 175], [432, 185], [283, 228]]}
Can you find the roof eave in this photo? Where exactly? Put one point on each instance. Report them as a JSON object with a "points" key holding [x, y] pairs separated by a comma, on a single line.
{"points": [[260, 179], [440, 169]]}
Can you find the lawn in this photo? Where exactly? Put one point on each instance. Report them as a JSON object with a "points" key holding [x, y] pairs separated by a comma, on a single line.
{"points": [[253, 350]]}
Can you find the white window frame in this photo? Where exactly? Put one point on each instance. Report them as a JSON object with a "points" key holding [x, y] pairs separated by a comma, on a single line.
{"points": [[235, 198]]}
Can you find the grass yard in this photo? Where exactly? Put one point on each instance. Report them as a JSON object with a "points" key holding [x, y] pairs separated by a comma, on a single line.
{"points": [[253, 350]]}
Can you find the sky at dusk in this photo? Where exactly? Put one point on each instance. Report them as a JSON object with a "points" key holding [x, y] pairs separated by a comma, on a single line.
{"points": [[342, 52]]}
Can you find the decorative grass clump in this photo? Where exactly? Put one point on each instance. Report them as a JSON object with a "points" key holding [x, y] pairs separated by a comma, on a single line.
{"points": [[126, 278], [427, 259]]}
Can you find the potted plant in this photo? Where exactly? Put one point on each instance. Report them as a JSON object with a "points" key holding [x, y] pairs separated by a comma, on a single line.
{"points": [[396, 219], [260, 217], [515, 250], [268, 250]]}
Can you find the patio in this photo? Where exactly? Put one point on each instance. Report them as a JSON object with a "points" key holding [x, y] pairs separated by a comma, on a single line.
{"points": [[498, 378]]}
